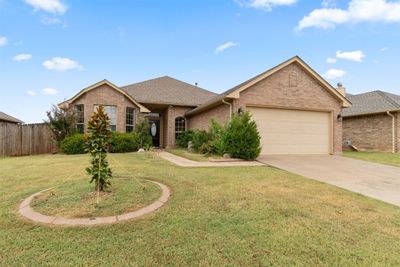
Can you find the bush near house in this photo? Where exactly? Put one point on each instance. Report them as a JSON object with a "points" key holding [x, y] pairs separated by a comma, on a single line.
{"points": [[143, 131], [73, 144], [239, 138], [124, 142]]}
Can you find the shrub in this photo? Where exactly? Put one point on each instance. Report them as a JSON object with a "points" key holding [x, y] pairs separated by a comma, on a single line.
{"points": [[241, 138], [73, 144], [143, 131], [184, 138], [124, 142], [199, 138]]}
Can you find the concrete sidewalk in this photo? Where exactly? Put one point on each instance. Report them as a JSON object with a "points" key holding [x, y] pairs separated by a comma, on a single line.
{"points": [[182, 162]]}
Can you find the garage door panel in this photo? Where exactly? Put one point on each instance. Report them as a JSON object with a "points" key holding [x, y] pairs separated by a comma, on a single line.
{"points": [[293, 131]]}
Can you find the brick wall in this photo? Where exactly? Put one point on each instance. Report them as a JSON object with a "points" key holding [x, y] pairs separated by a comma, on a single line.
{"points": [[170, 115], [290, 87], [370, 132], [202, 120]]}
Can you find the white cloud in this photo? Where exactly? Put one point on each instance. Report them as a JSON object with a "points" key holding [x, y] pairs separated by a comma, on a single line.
{"points": [[357, 56], [51, 6], [49, 91], [224, 46], [31, 93], [265, 4], [61, 64], [22, 57], [384, 49], [3, 40], [357, 11], [334, 74], [331, 60]]}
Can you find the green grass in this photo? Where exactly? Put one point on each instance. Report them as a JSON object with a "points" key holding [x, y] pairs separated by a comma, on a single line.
{"points": [[188, 155], [252, 216], [378, 157], [79, 199]]}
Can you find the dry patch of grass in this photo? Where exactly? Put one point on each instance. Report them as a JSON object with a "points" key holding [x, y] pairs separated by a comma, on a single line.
{"points": [[188, 155]]}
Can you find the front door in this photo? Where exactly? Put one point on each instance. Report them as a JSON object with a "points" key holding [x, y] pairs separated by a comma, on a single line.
{"points": [[155, 132]]}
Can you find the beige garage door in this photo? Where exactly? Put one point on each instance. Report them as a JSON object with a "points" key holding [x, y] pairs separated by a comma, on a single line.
{"points": [[292, 131]]}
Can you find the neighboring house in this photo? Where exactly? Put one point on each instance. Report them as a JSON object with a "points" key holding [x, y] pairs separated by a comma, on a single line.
{"points": [[296, 110], [7, 118], [372, 123]]}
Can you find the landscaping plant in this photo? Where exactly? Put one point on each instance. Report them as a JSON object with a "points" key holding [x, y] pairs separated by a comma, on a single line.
{"points": [[124, 142], [61, 123], [97, 143], [241, 138], [73, 144], [143, 130]]}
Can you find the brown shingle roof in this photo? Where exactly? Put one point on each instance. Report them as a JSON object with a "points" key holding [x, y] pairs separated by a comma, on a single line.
{"points": [[8, 118], [372, 102], [167, 90]]}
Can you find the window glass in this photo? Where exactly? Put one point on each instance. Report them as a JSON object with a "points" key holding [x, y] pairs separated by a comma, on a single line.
{"points": [[111, 112], [180, 126], [80, 118], [130, 119]]}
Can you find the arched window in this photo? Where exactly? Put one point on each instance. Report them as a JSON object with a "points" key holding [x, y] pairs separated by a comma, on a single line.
{"points": [[180, 126]]}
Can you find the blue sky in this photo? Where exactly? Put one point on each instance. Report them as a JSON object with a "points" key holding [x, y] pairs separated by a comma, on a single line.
{"points": [[50, 49]]}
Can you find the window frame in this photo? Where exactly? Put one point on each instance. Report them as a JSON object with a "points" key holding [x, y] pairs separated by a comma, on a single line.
{"points": [[179, 126], [80, 118], [130, 122], [113, 127]]}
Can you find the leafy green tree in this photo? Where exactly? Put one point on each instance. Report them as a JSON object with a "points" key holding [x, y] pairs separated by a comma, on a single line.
{"points": [[97, 143], [143, 130], [61, 123]]}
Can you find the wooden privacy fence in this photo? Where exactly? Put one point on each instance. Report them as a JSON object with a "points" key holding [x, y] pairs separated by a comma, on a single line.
{"points": [[25, 139]]}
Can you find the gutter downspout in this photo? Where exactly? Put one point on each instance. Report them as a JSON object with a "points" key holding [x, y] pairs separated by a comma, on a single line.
{"points": [[230, 108], [393, 132]]}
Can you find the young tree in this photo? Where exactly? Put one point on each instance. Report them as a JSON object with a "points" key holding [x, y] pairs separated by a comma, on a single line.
{"points": [[97, 142], [61, 123]]}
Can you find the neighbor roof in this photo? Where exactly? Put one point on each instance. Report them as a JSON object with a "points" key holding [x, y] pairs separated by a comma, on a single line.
{"points": [[8, 118], [235, 91], [167, 90], [372, 103]]}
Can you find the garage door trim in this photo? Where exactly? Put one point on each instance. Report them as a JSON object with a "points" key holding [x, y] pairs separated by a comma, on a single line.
{"points": [[330, 111]]}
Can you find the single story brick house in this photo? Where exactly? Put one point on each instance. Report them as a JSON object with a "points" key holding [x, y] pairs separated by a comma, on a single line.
{"points": [[372, 122], [9, 119], [296, 110]]}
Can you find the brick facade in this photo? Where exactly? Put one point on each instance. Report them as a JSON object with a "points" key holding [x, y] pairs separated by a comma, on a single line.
{"points": [[290, 87], [371, 132], [170, 114], [105, 95]]}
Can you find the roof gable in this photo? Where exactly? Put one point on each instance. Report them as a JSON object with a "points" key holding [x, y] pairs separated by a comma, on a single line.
{"points": [[96, 85], [235, 91], [170, 91]]}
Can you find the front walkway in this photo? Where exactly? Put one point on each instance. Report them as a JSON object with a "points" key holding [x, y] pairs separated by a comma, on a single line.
{"points": [[370, 179], [182, 162]]}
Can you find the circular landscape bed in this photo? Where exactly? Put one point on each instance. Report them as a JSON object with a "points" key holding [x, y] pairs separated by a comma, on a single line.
{"points": [[75, 203]]}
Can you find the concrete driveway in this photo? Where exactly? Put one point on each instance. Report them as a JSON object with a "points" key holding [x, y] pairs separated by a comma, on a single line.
{"points": [[371, 179]]}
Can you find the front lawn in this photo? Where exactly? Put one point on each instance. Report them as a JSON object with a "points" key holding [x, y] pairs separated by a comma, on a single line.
{"points": [[188, 155], [241, 216], [378, 157]]}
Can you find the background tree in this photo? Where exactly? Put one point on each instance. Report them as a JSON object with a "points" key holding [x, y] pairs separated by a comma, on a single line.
{"points": [[61, 123], [97, 143]]}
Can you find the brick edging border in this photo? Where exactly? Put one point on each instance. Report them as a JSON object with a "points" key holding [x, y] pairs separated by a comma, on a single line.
{"points": [[26, 211]]}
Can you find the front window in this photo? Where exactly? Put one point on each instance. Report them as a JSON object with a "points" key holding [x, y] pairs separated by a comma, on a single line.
{"points": [[111, 112], [180, 126], [80, 118], [130, 119]]}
